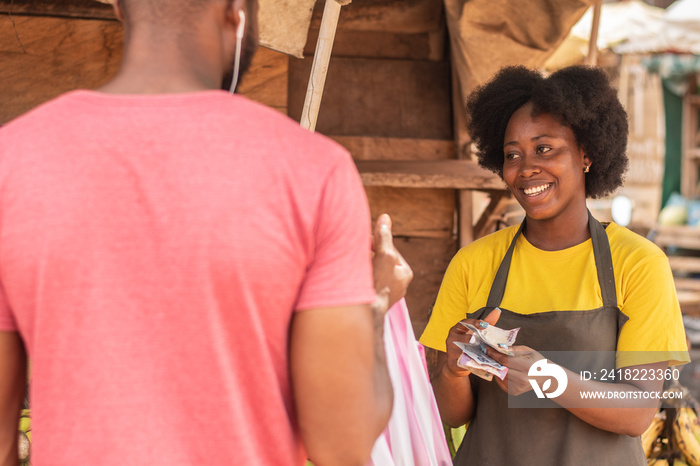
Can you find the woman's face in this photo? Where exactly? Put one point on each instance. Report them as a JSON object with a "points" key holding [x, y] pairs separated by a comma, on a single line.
{"points": [[543, 165]]}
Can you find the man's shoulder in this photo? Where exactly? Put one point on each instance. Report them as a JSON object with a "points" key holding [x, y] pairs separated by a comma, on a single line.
{"points": [[45, 110], [286, 132]]}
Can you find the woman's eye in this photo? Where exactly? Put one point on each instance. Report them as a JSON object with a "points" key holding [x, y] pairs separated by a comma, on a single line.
{"points": [[512, 155], [543, 149]]}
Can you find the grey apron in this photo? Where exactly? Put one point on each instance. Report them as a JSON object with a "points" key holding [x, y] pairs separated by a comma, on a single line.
{"points": [[503, 436]]}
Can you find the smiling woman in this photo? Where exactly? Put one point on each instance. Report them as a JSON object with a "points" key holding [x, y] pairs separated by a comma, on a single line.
{"points": [[574, 285]]}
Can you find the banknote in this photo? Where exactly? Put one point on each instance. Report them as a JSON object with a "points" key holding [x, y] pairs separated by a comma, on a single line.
{"points": [[474, 360], [473, 367], [497, 338]]}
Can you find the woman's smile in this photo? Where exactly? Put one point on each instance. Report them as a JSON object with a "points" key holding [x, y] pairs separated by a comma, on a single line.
{"points": [[543, 165], [537, 190]]}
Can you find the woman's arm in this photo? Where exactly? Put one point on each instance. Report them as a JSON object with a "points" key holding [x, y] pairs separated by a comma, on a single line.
{"points": [[453, 391], [630, 415], [627, 408]]}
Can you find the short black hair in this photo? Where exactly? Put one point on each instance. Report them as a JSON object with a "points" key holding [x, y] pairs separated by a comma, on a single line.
{"points": [[580, 97], [162, 10]]}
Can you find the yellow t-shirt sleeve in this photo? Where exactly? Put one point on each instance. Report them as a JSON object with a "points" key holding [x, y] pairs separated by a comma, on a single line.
{"points": [[654, 331], [450, 306]]}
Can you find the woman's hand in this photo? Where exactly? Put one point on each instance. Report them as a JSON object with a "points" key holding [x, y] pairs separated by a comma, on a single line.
{"points": [[460, 333], [451, 385], [516, 381]]}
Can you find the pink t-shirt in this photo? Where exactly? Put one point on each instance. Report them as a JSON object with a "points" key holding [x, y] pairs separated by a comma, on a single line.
{"points": [[153, 250]]}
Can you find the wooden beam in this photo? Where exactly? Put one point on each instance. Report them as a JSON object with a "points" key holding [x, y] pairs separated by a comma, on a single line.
{"points": [[370, 148], [319, 67], [592, 57], [416, 213], [497, 206], [681, 236], [83, 9], [401, 16], [690, 302], [457, 174], [690, 284], [684, 264], [378, 97], [381, 44], [462, 140]]}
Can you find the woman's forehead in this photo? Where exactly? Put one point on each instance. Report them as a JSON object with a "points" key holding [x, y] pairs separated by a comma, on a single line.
{"points": [[530, 123]]}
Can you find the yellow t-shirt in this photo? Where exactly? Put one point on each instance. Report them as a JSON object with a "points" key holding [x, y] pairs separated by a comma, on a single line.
{"points": [[567, 280]]}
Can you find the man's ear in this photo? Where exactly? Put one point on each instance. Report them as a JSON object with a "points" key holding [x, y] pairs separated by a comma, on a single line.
{"points": [[234, 8], [118, 10]]}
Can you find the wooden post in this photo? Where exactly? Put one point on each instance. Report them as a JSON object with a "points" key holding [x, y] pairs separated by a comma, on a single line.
{"points": [[465, 197], [319, 68], [592, 57]]}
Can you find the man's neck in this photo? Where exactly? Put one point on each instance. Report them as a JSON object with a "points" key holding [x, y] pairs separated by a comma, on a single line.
{"points": [[168, 69]]}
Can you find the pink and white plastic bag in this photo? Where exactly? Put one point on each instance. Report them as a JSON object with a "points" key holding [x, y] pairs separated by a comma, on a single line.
{"points": [[415, 434]]}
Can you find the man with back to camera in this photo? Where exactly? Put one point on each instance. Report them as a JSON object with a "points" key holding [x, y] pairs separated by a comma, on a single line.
{"points": [[188, 271]]}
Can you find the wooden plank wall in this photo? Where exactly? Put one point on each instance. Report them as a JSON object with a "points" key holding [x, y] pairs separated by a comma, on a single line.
{"points": [[388, 97], [43, 57]]}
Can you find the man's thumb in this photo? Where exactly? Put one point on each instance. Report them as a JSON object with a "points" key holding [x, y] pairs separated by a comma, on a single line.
{"points": [[382, 233]]}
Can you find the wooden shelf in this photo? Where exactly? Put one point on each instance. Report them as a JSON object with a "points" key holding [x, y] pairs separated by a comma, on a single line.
{"points": [[684, 262], [83, 9], [455, 174], [401, 149], [687, 284], [681, 236]]}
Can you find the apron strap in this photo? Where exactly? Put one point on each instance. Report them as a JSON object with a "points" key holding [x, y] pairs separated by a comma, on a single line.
{"points": [[603, 263], [498, 287]]}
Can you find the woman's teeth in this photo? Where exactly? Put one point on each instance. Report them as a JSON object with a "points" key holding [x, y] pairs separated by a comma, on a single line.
{"points": [[535, 190]]}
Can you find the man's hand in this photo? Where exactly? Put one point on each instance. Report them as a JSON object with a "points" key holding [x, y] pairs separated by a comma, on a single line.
{"points": [[13, 383], [392, 274]]}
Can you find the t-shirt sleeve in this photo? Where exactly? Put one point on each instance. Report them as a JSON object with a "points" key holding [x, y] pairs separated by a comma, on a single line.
{"points": [[654, 331], [450, 306], [340, 272], [7, 319]]}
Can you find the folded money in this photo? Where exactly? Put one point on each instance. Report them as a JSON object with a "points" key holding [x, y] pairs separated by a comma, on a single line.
{"points": [[497, 338], [469, 364], [475, 361], [474, 356]]}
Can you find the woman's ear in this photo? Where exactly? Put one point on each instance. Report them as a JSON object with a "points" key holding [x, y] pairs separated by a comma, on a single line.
{"points": [[587, 162]]}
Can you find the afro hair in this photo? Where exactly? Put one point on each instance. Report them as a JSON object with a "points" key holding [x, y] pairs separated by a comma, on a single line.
{"points": [[579, 97]]}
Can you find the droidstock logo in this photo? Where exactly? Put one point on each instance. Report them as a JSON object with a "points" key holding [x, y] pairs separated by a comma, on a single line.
{"points": [[542, 368]]}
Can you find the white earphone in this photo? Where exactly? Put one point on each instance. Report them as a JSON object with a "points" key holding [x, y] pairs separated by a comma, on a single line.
{"points": [[240, 31], [241, 25]]}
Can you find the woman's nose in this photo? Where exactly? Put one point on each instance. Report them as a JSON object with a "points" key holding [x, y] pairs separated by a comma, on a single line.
{"points": [[529, 165]]}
